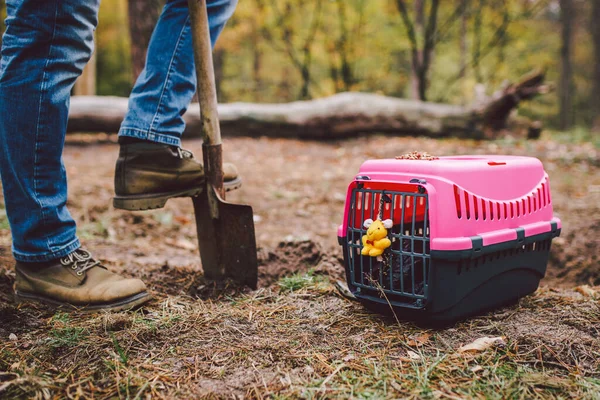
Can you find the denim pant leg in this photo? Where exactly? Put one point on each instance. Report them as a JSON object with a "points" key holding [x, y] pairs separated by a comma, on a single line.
{"points": [[44, 49], [167, 84]]}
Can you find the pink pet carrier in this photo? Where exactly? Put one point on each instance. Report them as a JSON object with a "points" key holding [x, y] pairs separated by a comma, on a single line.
{"points": [[467, 234]]}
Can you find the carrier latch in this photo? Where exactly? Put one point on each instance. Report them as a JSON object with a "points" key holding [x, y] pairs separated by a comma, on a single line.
{"points": [[477, 243], [420, 182]]}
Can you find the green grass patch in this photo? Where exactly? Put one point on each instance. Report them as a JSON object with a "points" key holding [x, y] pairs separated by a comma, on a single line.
{"points": [[6, 355], [67, 337], [3, 218], [92, 230], [296, 281], [63, 334], [122, 353], [577, 135]]}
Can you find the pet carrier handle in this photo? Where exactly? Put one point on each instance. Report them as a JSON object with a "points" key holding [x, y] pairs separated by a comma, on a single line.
{"points": [[207, 94]]}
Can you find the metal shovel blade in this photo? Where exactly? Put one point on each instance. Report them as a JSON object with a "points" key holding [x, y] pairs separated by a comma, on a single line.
{"points": [[227, 243]]}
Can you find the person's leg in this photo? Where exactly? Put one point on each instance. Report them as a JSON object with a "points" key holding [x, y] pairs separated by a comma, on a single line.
{"points": [[44, 49], [167, 84], [151, 167]]}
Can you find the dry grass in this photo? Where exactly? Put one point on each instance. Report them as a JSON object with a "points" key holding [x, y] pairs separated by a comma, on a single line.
{"points": [[296, 337], [308, 343]]}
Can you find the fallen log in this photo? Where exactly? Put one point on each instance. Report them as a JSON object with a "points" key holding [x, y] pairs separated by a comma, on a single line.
{"points": [[340, 116], [497, 110]]}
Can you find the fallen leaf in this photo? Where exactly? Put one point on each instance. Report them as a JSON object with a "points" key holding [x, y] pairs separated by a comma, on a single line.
{"points": [[544, 380], [183, 220], [181, 243], [418, 341], [396, 386], [286, 380], [309, 370], [7, 379], [482, 344], [344, 291], [186, 244], [587, 291], [8, 376]]}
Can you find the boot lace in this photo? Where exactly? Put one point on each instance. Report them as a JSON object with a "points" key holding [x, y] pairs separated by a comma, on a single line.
{"points": [[184, 153], [80, 260]]}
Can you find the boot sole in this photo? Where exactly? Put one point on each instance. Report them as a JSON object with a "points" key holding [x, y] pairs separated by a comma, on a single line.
{"points": [[119, 305], [141, 202]]}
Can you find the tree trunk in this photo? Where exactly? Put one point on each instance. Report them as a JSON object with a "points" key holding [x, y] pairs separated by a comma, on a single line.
{"points": [[416, 81], [143, 15], [284, 89], [85, 85], [343, 47], [567, 12], [502, 37], [219, 66], [334, 72], [256, 62], [342, 115], [463, 40], [595, 28], [429, 45], [421, 55], [496, 111], [305, 87], [305, 69], [339, 116], [464, 50], [477, 23], [2, 17]]}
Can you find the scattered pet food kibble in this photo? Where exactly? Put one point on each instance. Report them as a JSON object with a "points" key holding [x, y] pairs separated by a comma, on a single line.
{"points": [[416, 155]]}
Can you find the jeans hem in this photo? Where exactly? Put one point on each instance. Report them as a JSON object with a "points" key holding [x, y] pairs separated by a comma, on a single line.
{"points": [[150, 136], [65, 250]]}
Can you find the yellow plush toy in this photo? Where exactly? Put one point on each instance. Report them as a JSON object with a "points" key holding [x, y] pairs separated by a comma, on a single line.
{"points": [[376, 241]]}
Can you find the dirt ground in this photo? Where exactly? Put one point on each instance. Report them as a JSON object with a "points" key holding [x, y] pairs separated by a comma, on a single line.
{"points": [[295, 336]]}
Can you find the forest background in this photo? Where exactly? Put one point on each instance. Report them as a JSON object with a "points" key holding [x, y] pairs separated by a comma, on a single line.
{"points": [[450, 51], [296, 336]]}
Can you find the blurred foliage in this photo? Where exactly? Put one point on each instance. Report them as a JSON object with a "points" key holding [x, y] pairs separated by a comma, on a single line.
{"points": [[285, 50], [113, 49], [577, 135], [515, 37]]}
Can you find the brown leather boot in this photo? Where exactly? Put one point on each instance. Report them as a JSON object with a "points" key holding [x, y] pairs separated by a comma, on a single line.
{"points": [[78, 281], [148, 174]]}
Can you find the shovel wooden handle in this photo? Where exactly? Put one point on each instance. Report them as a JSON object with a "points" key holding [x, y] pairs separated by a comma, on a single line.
{"points": [[207, 95], [225, 231]]}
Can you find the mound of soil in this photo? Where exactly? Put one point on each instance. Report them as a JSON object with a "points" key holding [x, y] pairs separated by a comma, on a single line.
{"points": [[288, 258], [575, 256], [296, 257]]}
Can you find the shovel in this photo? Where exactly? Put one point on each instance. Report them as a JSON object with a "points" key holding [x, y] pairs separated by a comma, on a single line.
{"points": [[225, 230]]}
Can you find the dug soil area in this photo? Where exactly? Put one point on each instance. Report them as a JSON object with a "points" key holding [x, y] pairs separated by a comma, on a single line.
{"points": [[296, 336]]}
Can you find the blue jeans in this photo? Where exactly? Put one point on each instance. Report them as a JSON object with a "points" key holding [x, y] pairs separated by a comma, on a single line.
{"points": [[44, 49]]}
